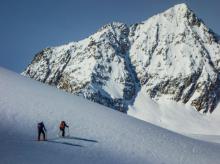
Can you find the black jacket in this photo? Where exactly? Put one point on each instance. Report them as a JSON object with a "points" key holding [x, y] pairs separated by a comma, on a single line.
{"points": [[41, 126]]}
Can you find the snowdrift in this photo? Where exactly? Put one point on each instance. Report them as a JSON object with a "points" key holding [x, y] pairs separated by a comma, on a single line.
{"points": [[97, 134]]}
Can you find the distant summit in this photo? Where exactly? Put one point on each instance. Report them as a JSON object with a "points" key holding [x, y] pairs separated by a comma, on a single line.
{"points": [[172, 56]]}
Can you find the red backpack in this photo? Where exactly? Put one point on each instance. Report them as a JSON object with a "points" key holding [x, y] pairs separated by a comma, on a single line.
{"points": [[62, 125]]}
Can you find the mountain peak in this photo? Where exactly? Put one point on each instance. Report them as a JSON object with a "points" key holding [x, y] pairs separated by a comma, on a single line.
{"points": [[179, 10], [181, 6], [114, 25], [172, 55]]}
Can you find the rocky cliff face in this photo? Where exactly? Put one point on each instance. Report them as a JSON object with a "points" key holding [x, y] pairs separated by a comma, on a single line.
{"points": [[172, 55]]}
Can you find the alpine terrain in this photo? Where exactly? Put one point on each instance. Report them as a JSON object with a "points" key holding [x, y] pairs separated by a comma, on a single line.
{"points": [[164, 70], [172, 57]]}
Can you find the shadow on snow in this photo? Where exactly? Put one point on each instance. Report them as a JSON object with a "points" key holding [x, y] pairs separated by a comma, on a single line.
{"points": [[64, 143], [81, 139]]}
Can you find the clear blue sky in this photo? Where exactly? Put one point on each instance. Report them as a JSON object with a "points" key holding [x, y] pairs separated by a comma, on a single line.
{"points": [[27, 26]]}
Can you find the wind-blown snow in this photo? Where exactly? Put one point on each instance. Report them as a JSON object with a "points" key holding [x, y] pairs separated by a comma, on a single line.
{"points": [[98, 135]]}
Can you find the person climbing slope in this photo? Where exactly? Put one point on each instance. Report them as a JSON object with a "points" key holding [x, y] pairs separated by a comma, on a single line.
{"points": [[41, 130], [63, 125]]}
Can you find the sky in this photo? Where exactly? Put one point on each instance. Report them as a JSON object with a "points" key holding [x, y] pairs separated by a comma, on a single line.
{"points": [[28, 26]]}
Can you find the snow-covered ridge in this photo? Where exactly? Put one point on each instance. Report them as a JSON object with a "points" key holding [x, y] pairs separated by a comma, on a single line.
{"points": [[172, 55]]}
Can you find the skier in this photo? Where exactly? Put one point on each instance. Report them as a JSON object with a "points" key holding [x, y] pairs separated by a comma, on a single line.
{"points": [[41, 130], [63, 125]]}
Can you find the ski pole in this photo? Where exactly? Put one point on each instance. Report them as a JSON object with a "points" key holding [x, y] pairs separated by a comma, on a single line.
{"points": [[45, 135], [68, 131]]}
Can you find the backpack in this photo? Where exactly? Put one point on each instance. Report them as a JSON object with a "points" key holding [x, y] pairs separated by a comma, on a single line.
{"points": [[62, 125]]}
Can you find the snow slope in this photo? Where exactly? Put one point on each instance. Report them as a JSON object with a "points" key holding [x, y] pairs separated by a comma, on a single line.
{"points": [[175, 116], [98, 135]]}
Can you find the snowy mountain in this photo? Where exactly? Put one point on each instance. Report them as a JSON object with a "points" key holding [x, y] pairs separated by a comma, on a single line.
{"points": [[96, 68], [171, 56], [97, 135]]}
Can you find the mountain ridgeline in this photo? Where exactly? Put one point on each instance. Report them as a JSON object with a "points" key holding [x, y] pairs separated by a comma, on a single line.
{"points": [[172, 56]]}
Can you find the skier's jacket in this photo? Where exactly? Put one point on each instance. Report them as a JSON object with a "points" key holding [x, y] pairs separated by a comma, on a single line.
{"points": [[63, 125], [41, 126]]}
